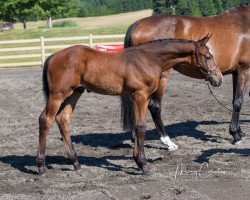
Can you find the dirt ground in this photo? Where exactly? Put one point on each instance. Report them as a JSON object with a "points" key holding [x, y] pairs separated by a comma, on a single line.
{"points": [[206, 166]]}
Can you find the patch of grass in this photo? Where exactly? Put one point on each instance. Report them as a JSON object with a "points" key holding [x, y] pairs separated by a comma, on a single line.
{"points": [[54, 33], [105, 25], [64, 24], [17, 34]]}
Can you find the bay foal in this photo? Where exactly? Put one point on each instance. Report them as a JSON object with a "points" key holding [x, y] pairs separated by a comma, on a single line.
{"points": [[134, 72]]}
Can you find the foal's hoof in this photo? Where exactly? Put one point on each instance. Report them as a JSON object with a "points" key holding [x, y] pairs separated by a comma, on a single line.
{"points": [[77, 167], [145, 170], [171, 146]]}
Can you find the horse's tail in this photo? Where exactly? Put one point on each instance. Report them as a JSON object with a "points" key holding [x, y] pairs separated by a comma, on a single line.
{"points": [[127, 40], [45, 78], [127, 106]]}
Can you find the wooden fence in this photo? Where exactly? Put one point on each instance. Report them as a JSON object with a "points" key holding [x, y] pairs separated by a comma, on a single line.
{"points": [[42, 47]]}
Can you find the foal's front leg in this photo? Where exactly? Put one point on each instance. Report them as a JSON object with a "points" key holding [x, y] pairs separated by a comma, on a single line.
{"points": [[140, 108], [154, 107]]}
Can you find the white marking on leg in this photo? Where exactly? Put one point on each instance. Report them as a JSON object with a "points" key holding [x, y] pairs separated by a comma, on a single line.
{"points": [[239, 142], [171, 146]]}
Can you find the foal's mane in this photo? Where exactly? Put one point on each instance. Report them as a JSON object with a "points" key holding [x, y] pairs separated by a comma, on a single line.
{"points": [[164, 40]]}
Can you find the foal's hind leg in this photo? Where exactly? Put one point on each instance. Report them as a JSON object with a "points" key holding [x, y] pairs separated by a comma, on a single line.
{"points": [[240, 83], [45, 121], [63, 120]]}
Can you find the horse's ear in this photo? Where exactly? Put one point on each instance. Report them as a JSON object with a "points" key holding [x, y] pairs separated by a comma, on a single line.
{"points": [[204, 40]]}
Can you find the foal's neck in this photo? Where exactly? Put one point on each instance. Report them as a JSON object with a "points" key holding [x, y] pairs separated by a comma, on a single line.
{"points": [[168, 53]]}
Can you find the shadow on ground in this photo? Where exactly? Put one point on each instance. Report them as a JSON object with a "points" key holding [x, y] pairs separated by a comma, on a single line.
{"points": [[115, 141], [206, 154], [22, 163]]}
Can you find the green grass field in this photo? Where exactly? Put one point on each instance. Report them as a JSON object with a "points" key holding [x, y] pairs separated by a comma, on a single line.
{"points": [[104, 25]]}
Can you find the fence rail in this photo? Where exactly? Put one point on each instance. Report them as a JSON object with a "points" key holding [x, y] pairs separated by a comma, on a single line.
{"points": [[42, 47]]}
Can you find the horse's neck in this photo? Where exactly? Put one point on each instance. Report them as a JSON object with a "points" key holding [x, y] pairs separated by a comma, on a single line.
{"points": [[245, 10]]}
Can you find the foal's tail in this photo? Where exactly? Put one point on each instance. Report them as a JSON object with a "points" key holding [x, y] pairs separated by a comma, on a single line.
{"points": [[45, 78], [127, 107]]}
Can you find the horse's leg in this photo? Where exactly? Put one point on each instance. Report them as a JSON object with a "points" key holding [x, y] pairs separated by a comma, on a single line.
{"points": [[63, 119], [140, 109], [45, 121], [240, 82], [155, 110]]}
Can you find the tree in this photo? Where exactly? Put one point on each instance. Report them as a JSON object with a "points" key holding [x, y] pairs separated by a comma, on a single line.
{"points": [[158, 6], [170, 6], [17, 10], [207, 7], [183, 8], [195, 8], [218, 5], [58, 8], [188, 7]]}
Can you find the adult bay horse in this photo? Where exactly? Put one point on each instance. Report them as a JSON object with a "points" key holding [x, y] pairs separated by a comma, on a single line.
{"points": [[230, 46], [135, 72]]}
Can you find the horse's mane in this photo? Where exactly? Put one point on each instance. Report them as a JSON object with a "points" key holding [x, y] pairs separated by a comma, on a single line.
{"points": [[238, 6]]}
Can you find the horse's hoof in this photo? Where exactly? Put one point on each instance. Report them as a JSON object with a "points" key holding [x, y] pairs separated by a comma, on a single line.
{"points": [[237, 139], [145, 170], [171, 146], [77, 167], [238, 142], [242, 135]]}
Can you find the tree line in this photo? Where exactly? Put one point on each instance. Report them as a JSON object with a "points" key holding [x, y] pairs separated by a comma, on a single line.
{"points": [[107, 7], [32, 10], [194, 7]]}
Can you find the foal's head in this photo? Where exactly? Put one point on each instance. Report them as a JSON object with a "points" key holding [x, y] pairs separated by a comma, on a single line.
{"points": [[205, 62]]}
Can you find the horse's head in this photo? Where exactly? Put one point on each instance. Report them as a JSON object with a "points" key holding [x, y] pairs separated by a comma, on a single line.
{"points": [[204, 60]]}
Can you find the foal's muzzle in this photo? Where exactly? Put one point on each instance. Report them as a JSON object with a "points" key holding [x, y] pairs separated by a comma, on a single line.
{"points": [[214, 77], [214, 81]]}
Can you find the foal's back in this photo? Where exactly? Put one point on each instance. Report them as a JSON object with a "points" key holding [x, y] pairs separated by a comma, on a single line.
{"points": [[83, 66]]}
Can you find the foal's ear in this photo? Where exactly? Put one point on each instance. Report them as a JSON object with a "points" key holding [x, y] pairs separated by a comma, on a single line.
{"points": [[204, 40]]}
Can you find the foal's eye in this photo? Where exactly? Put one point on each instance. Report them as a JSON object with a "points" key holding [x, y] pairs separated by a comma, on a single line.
{"points": [[208, 56]]}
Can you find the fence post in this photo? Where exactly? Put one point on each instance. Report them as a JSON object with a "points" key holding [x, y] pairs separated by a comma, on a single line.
{"points": [[42, 50], [90, 40]]}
